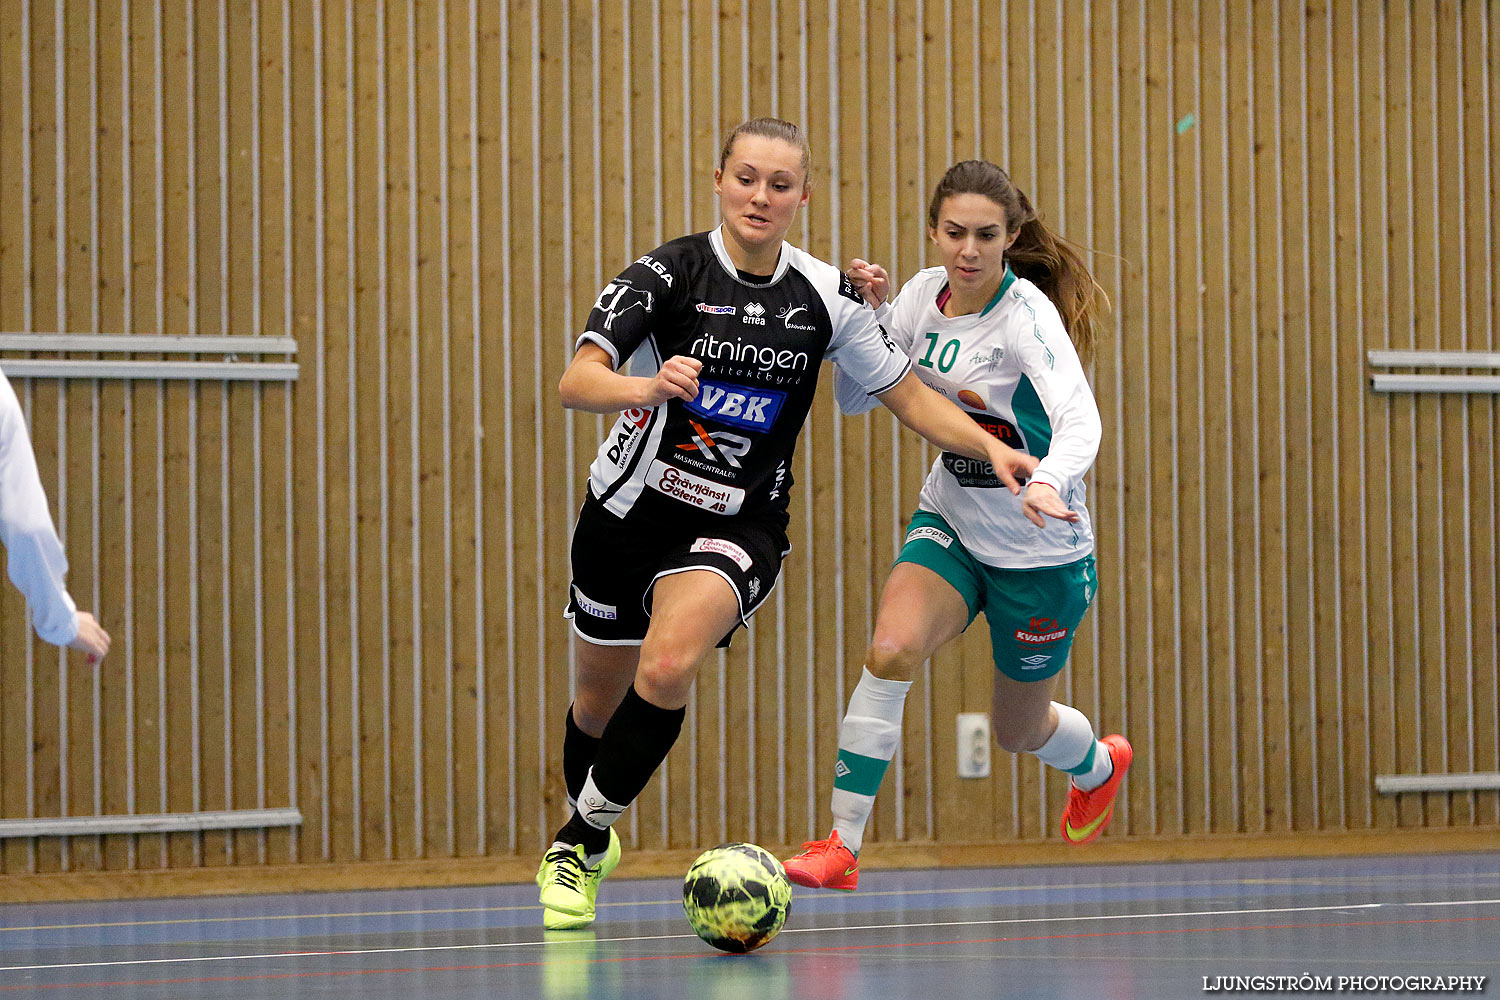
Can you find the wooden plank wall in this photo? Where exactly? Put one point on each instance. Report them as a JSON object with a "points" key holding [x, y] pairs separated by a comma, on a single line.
{"points": [[344, 594]]}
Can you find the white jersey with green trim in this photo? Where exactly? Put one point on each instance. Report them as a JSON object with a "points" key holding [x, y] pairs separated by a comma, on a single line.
{"points": [[1013, 369]]}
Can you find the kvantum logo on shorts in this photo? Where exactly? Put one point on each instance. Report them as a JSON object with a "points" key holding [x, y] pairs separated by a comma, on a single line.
{"points": [[1043, 630], [932, 534], [594, 609]]}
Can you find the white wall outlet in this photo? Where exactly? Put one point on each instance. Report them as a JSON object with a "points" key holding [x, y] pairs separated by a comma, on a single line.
{"points": [[973, 745]]}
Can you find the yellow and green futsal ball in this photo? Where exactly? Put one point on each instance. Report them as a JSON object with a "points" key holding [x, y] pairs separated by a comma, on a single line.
{"points": [[736, 896]]}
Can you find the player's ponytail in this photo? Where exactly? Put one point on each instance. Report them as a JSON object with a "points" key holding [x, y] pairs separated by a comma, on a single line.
{"points": [[1039, 255]]}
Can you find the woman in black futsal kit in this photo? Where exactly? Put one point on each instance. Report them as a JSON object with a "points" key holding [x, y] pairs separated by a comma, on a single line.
{"points": [[683, 531]]}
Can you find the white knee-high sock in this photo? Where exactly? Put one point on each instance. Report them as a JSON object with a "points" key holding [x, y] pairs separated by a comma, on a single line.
{"points": [[868, 738], [1074, 748]]}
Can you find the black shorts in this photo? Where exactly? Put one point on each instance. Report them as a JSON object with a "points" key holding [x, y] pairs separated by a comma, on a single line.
{"points": [[616, 563]]}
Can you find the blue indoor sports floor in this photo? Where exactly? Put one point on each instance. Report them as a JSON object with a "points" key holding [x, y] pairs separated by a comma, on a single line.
{"points": [[1087, 932]]}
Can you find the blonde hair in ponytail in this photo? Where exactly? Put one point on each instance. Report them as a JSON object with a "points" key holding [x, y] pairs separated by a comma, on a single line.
{"points": [[1038, 254]]}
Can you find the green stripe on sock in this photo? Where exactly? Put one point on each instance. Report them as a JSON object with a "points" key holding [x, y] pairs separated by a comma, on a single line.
{"points": [[857, 773], [1088, 760]]}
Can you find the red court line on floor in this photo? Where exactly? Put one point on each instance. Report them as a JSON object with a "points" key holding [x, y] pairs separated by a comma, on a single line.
{"points": [[329, 973]]}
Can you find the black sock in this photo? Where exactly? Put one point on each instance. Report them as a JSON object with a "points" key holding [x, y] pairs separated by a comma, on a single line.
{"points": [[577, 830], [579, 751], [634, 744]]}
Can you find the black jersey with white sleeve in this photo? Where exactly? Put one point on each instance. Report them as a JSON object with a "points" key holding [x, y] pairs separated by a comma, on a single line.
{"points": [[728, 451]]}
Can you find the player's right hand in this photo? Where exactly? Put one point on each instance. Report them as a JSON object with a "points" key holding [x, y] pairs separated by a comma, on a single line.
{"points": [[870, 280], [1011, 467], [678, 379], [91, 637]]}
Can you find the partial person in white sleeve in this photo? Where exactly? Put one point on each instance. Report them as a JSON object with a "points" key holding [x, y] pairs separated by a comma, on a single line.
{"points": [[34, 554], [999, 329]]}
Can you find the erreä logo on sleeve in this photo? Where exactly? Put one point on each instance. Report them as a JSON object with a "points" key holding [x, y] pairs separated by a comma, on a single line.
{"points": [[738, 405]]}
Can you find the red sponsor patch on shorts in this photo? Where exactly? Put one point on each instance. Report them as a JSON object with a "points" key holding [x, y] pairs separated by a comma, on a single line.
{"points": [[1041, 631]]}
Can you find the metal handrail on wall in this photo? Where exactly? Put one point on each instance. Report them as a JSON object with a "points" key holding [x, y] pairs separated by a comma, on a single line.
{"points": [[228, 369], [1403, 382]]}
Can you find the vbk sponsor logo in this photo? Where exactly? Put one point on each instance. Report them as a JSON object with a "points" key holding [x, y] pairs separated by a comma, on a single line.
{"points": [[931, 534], [755, 314], [738, 405], [790, 313], [661, 271], [694, 490], [618, 298], [1035, 661], [719, 447], [1041, 631], [723, 547], [704, 307], [605, 612], [627, 434]]}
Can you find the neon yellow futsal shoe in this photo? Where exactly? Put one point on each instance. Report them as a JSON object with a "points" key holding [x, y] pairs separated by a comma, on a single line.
{"points": [[1088, 813], [569, 888]]}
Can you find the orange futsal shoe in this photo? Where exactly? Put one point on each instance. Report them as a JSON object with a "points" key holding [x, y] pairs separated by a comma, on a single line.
{"points": [[1088, 813], [825, 864]]}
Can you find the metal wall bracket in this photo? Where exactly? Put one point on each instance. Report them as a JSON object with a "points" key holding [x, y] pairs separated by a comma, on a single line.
{"points": [[1403, 382], [1394, 784], [227, 369], [78, 826]]}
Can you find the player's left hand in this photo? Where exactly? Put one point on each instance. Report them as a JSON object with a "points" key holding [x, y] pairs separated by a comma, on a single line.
{"points": [[1041, 498]]}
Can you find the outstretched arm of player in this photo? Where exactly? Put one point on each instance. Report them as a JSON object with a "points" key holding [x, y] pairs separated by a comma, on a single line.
{"points": [[946, 426], [34, 554], [592, 384]]}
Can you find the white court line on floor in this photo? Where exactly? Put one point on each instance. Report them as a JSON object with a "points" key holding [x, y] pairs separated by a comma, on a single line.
{"points": [[1323, 880], [843, 929]]}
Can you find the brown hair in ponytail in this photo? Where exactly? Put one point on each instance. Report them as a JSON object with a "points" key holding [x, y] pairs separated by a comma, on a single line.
{"points": [[1039, 255]]}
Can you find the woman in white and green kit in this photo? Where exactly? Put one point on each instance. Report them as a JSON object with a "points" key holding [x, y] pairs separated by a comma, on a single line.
{"points": [[998, 329]]}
